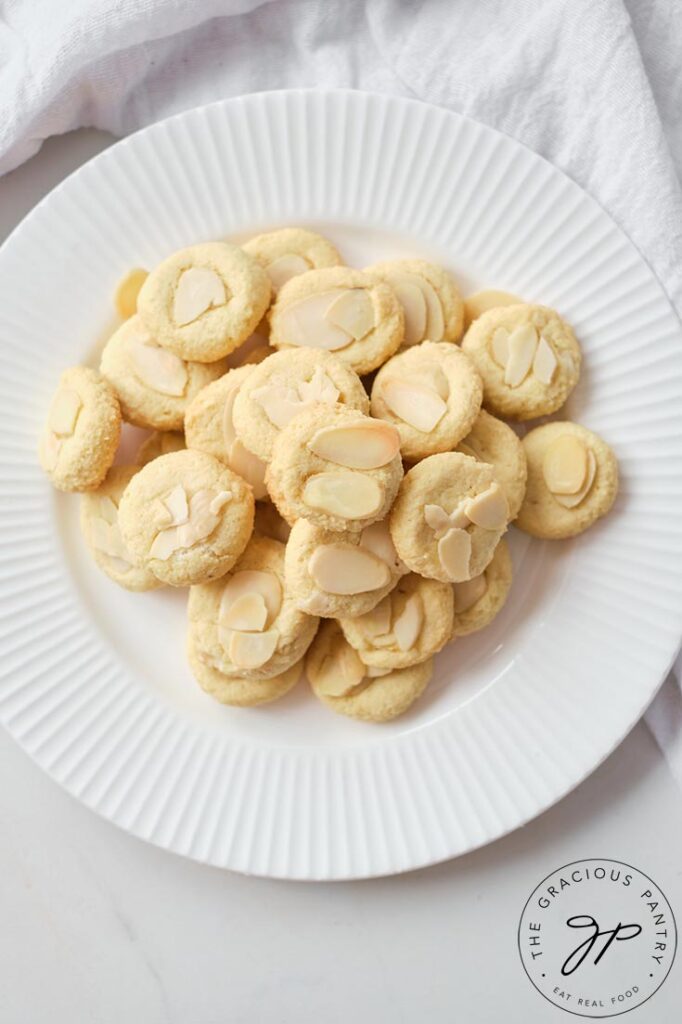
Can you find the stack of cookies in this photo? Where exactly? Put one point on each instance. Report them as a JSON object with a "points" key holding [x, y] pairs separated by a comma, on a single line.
{"points": [[328, 444]]}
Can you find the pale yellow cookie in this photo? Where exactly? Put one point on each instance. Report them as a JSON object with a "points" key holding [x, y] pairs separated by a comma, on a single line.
{"points": [[433, 306], [235, 691], [99, 526], [247, 624], [448, 517], [340, 680], [209, 427], [478, 600], [269, 523], [283, 386], [492, 441], [289, 252], [154, 386], [340, 574], [480, 302], [431, 393], [186, 517], [204, 301], [353, 314], [410, 624], [572, 480], [161, 442], [335, 467], [83, 428], [528, 357], [127, 290]]}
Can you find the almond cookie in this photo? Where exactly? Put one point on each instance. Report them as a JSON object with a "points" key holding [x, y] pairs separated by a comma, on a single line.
{"points": [[448, 517], [528, 357], [289, 252], [492, 441], [246, 624], [204, 301], [127, 291], [478, 600], [186, 517], [83, 428], [341, 681], [233, 690], [99, 525], [480, 302], [431, 393], [340, 574], [353, 314], [283, 386], [209, 427], [433, 307], [572, 480], [410, 624], [335, 467], [161, 442], [269, 523], [154, 386]]}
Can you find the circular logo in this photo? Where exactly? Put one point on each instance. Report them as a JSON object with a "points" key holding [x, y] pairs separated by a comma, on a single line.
{"points": [[597, 938]]}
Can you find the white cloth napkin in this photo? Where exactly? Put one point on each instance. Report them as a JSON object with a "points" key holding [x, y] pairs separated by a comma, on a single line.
{"points": [[593, 85]]}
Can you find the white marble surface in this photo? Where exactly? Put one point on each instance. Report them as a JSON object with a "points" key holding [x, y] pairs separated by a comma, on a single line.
{"points": [[99, 927]]}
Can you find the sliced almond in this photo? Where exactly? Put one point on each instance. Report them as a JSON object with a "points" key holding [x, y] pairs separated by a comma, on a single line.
{"points": [[571, 500], [252, 581], [64, 411], [489, 509], [279, 402], [437, 518], [367, 445], [303, 323], [107, 509], [284, 268], [155, 367], [408, 624], [248, 613], [352, 312], [435, 324], [441, 521], [249, 467], [377, 539], [341, 671], [374, 672], [522, 345], [468, 592], [499, 346], [545, 362], [346, 494], [320, 388], [251, 650], [127, 291], [377, 622], [414, 403], [411, 298], [454, 552], [346, 569], [431, 376], [217, 503], [176, 503], [564, 465], [229, 433], [198, 290]]}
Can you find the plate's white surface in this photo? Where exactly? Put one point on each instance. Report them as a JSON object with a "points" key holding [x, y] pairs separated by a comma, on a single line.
{"points": [[93, 680]]}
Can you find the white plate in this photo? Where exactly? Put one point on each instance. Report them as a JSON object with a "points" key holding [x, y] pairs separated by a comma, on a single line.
{"points": [[93, 681]]}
